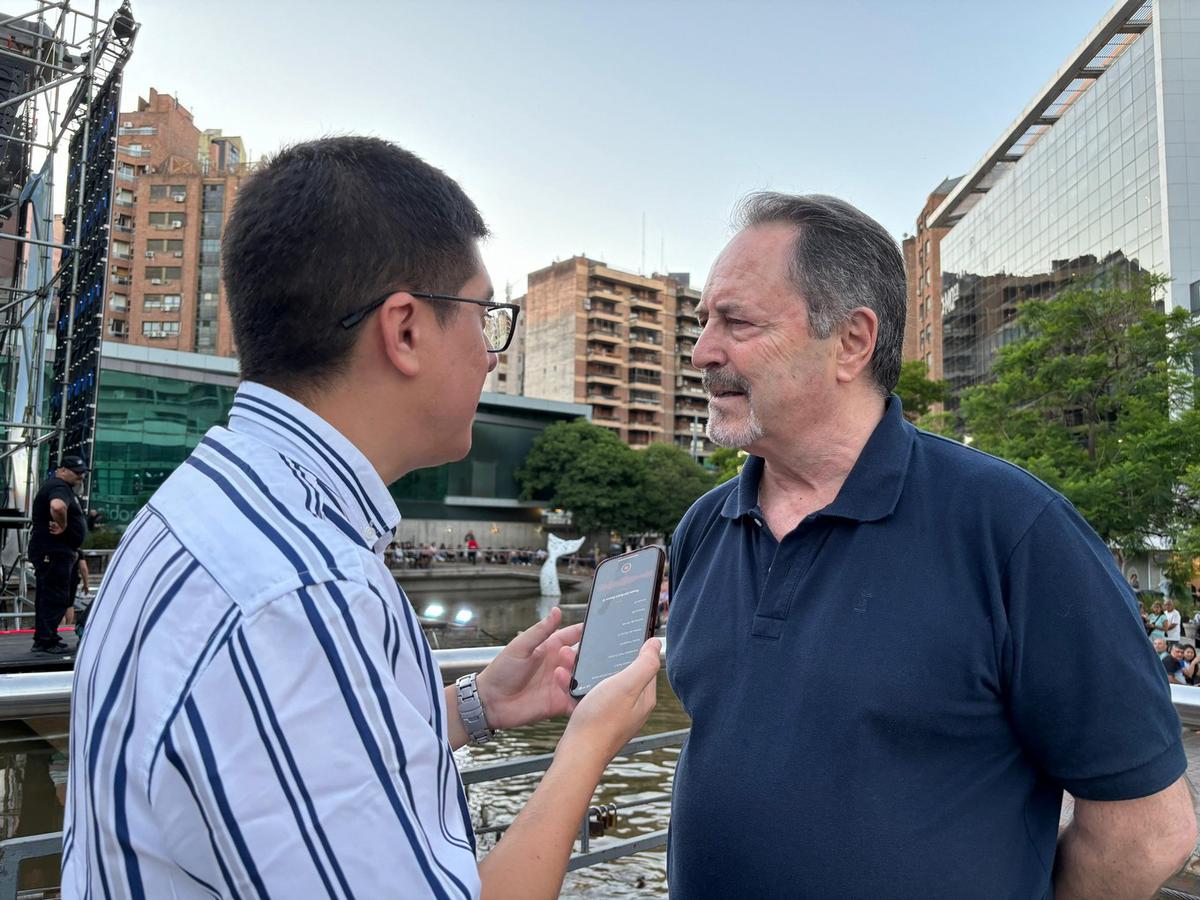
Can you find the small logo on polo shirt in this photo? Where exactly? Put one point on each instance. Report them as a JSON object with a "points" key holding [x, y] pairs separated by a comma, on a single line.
{"points": [[860, 605]]}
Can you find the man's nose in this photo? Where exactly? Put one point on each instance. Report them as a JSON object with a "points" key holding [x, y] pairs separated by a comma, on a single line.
{"points": [[707, 351]]}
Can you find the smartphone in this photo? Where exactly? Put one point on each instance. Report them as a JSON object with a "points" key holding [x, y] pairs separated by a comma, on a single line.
{"points": [[622, 614]]}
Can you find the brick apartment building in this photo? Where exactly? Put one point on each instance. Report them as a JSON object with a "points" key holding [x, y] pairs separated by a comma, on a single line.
{"points": [[173, 190], [621, 343], [923, 272]]}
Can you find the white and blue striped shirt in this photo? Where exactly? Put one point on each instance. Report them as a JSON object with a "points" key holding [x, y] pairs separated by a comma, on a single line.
{"points": [[256, 711]]}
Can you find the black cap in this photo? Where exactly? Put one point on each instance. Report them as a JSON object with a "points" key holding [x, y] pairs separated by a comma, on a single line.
{"points": [[75, 464]]}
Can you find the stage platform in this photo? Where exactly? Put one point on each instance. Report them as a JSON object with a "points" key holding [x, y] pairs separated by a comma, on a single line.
{"points": [[16, 653]]}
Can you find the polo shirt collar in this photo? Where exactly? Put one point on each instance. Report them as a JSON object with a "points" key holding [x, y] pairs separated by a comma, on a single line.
{"points": [[299, 433], [871, 490]]}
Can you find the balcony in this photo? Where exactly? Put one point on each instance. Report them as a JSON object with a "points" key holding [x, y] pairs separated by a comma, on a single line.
{"points": [[123, 201], [602, 293], [650, 324], [644, 375], [609, 378], [688, 406], [121, 279], [605, 315], [649, 425], [598, 399], [127, 229], [648, 301], [644, 403], [692, 331], [646, 339], [691, 388], [653, 363], [126, 176], [601, 352], [599, 334], [133, 151]]}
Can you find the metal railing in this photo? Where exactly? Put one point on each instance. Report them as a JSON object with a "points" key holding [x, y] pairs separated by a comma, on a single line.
{"points": [[41, 694], [24, 695], [27, 695]]}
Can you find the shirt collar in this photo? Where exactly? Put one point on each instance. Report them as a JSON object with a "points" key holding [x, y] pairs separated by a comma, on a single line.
{"points": [[299, 433], [871, 490]]}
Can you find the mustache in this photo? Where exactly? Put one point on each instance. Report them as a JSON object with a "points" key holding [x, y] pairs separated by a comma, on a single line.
{"points": [[716, 380]]}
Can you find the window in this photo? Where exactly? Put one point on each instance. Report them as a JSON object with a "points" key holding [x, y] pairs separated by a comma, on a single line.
{"points": [[165, 245], [118, 303], [118, 327], [167, 191], [160, 329], [167, 220], [165, 302], [163, 273]]}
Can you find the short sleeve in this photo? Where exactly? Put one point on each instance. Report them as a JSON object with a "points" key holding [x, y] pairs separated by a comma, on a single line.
{"points": [[1086, 689], [310, 768]]}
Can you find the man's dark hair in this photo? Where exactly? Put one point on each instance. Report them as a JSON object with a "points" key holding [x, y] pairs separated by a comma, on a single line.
{"points": [[322, 229], [842, 260]]}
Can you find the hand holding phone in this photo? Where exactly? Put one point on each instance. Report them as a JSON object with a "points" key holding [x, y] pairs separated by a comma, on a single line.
{"points": [[622, 614]]}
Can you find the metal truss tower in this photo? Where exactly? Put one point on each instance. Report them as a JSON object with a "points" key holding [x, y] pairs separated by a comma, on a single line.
{"points": [[60, 90]]}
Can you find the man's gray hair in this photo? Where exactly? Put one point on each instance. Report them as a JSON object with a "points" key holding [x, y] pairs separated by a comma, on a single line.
{"points": [[842, 260]]}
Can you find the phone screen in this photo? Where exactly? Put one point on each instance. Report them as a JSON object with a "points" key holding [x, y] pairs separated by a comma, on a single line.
{"points": [[620, 616]]}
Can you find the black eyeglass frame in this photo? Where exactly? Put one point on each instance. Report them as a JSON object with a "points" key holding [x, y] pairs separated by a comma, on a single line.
{"points": [[358, 315]]}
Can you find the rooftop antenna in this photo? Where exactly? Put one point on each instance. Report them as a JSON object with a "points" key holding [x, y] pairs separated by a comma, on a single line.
{"points": [[642, 270]]}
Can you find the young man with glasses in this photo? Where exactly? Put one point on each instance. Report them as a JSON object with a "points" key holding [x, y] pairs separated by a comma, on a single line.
{"points": [[258, 712]]}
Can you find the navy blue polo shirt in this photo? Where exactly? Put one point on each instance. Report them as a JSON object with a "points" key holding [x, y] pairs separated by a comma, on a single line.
{"points": [[889, 701]]}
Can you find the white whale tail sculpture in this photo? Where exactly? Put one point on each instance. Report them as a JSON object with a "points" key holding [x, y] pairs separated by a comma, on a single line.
{"points": [[556, 548]]}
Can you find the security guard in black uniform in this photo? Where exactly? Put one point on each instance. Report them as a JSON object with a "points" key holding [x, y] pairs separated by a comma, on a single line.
{"points": [[58, 530]]}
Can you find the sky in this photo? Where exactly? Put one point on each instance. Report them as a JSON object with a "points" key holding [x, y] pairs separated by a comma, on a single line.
{"points": [[572, 123]]}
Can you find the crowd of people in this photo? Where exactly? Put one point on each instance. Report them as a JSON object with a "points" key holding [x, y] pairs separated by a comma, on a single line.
{"points": [[422, 555], [1165, 628]]}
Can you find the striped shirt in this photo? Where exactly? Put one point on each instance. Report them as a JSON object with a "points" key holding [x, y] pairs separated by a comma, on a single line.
{"points": [[256, 711]]}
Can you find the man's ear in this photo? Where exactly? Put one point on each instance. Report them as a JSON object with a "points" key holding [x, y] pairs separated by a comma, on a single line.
{"points": [[399, 332], [856, 343]]}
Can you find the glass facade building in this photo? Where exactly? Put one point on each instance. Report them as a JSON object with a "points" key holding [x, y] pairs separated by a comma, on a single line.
{"points": [[1093, 180], [155, 406]]}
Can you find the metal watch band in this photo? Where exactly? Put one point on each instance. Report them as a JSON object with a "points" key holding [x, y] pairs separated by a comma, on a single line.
{"points": [[470, 710]]}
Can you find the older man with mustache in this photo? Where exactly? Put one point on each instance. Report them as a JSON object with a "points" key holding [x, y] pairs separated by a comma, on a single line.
{"points": [[938, 771]]}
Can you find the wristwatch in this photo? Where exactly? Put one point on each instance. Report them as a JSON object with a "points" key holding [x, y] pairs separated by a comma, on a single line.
{"points": [[470, 710]]}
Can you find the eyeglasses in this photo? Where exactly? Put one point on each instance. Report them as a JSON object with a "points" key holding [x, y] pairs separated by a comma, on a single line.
{"points": [[498, 325]]}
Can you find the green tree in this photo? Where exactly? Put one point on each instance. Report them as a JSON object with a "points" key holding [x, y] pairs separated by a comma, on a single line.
{"points": [[917, 391], [588, 471], [672, 481], [728, 462], [1097, 398]]}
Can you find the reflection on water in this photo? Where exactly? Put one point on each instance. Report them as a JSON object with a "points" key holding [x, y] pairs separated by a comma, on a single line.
{"points": [[33, 787], [497, 617], [634, 778], [33, 760]]}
